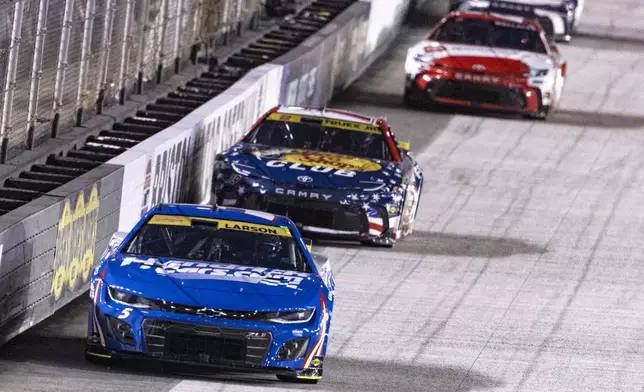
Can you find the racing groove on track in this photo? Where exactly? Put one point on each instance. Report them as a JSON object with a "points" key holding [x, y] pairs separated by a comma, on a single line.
{"points": [[524, 273]]}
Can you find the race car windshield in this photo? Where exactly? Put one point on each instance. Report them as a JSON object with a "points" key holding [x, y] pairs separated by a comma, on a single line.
{"points": [[223, 241], [496, 34], [314, 134]]}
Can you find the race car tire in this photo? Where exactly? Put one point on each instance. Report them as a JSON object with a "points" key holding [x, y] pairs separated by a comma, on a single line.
{"points": [[412, 99], [541, 114], [293, 379]]}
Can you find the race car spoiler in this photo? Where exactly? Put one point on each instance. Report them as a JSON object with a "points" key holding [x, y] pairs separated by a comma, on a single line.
{"points": [[509, 8], [523, 10]]}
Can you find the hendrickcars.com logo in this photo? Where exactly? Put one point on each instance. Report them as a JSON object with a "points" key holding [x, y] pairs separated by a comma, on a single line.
{"points": [[74, 257]]}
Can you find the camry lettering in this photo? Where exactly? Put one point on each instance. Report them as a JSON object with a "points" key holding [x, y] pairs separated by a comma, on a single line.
{"points": [[477, 78], [318, 169], [303, 194]]}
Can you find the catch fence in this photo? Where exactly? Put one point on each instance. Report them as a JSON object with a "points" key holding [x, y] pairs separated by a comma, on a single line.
{"points": [[62, 61]]}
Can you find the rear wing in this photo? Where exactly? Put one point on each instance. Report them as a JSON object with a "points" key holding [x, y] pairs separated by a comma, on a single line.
{"points": [[523, 10]]}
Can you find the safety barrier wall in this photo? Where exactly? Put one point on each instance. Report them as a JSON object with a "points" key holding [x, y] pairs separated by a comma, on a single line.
{"points": [[50, 245]]}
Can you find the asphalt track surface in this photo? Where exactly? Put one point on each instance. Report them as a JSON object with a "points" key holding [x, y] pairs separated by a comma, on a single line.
{"points": [[525, 270]]}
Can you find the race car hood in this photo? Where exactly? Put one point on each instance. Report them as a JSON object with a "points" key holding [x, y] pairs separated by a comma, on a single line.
{"points": [[495, 60], [313, 169], [212, 285]]}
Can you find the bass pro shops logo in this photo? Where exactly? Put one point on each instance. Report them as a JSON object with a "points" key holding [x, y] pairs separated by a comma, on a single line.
{"points": [[74, 255]]}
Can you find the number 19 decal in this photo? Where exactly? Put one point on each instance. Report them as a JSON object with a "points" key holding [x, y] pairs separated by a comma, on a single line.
{"points": [[125, 313]]}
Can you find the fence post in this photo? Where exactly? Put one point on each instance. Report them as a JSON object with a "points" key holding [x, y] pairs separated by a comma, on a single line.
{"points": [[59, 85], [196, 31], [163, 16], [177, 37], [36, 71], [88, 27], [125, 51], [10, 85], [143, 21], [106, 43]]}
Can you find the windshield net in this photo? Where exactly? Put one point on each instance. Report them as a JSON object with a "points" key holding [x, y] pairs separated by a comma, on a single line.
{"points": [[217, 240], [340, 137], [497, 34]]}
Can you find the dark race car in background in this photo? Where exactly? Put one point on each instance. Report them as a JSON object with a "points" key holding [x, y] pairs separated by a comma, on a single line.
{"points": [[488, 61], [332, 172], [560, 16]]}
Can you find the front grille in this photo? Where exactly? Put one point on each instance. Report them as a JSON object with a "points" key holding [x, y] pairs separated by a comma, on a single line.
{"points": [[205, 344], [481, 93], [312, 213]]}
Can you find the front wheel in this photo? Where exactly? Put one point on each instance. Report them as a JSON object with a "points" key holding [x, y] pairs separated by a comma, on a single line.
{"points": [[541, 114], [294, 379]]}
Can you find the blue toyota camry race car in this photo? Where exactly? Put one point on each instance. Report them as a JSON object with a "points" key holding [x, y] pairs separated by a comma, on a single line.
{"points": [[223, 287], [334, 173]]}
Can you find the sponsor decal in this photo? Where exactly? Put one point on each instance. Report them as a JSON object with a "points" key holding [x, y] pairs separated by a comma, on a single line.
{"points": [[328, 122], [316, 362], [178, 220], [163, 179], [323, 162], [220, 271], [75, 242], [477, 78]]}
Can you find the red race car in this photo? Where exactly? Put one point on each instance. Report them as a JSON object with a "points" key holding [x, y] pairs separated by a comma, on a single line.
{"points": [[486, 60]]}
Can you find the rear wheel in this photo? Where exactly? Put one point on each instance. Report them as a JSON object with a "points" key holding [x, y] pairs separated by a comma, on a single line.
{"points": [[294, 379]]}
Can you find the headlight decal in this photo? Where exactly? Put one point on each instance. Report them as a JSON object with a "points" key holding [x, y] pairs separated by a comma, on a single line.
{"points": [[319, 345], [128, 299]]}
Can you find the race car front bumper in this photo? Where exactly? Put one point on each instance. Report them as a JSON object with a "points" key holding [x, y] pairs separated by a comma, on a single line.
{"points": [[120, 332], [477, 91]]}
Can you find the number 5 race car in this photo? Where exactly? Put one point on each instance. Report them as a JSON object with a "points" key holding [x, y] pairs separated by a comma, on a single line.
{"points": [[484, 60], [334, 173], [223, 287]]}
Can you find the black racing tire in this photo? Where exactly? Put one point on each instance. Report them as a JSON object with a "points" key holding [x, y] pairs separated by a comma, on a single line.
{"points": [[414, 99], [378, 245], [293, 379], [542, 114]]}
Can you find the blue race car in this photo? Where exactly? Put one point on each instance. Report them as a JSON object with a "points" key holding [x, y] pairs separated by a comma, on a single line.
{"points": [[222, 287], [334, 173], [559, 18]]}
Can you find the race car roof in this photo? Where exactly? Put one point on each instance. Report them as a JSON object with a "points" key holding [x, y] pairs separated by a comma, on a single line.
{"points": [[328, 113], [224, 213]]}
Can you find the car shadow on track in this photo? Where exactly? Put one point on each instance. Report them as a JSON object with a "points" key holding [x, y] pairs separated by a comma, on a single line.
{"points": [[448, 244], [394, 100], [340, 373]]}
